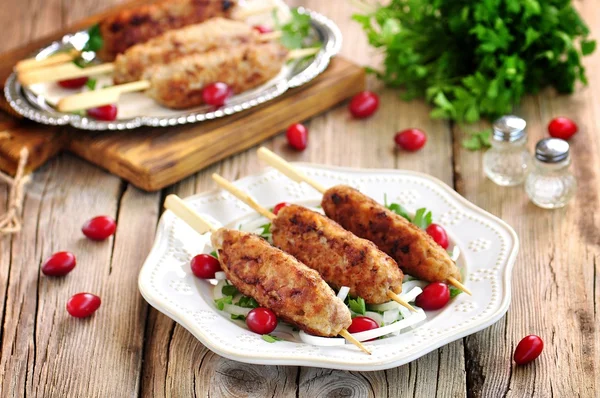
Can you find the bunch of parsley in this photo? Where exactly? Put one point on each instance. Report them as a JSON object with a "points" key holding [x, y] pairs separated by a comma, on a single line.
{"points": [[473, 59]]}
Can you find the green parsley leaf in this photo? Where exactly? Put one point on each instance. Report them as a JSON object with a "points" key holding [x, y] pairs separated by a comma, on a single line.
{"points": [[229, 290], [270, 339], [422, 218], [357, 305], [454, 292], [240, 317], [477, 140], [396, 208], [295, 31], [220, 303], [266, 231], [214, 254], [95, 41], [91, 84], [247, 302]]}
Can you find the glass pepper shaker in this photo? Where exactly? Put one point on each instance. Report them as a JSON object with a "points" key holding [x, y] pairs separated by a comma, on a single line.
{"points": [[507, 161], [550, 184]]}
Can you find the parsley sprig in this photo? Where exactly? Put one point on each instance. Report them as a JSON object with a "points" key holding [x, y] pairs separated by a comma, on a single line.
{"points": [[422, 218], [477, 140], [295, 32], [473, 59]]}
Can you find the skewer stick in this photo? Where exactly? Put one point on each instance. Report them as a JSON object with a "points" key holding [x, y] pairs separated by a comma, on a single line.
{"points": [[287, 169], [63, 72], [399, 300], [110, 95], [346, 334], [33, 63], [291, 172], [187, 214], [459, 285], [244, 197]]}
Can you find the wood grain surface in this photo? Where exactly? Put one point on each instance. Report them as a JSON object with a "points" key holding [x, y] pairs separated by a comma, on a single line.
{"points": [[128, 349]]}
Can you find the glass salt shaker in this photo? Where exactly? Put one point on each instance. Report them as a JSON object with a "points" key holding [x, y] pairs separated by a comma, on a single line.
{"points": [[550, 184], [507, 161]]}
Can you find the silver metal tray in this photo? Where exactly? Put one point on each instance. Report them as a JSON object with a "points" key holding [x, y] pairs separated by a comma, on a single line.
{"points": [[35, 107]]}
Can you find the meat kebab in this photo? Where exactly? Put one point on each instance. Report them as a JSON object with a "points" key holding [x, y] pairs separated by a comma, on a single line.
{"points": [[275, 279], [340, 257], [413, 249]]}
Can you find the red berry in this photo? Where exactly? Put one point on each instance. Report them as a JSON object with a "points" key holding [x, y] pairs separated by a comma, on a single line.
{"points": [[216, 94], [528, 349], [99, 228], [59, 264], [279, 206], [262, 29], [107, 113], [562, 127], [361, 324], [439, 235], [364, 104], [83, 305], [411, 139], [73, 83], [297, 136], [434, 296], [205, 266], [261, 320]]}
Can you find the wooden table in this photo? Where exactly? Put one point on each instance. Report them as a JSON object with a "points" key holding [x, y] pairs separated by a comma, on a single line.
{"points": [[129, 349]]}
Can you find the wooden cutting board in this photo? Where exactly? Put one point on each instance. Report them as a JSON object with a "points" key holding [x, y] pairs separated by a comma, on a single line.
{"points": [[152, 158]]}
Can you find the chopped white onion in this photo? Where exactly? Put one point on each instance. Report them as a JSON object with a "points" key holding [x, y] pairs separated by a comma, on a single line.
{"points": [[236, 309], [320, 341], [343, 293], [220, 275], [455, 253], [412, 294], [390, 316], [408, 286], [218, 290], [413, 319], [374, 316]]}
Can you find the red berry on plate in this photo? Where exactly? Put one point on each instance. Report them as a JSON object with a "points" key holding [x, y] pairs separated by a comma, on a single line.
{"points": [[297, 136], [363, 104], [439, 235], [59, 264], [216, 94], [262, 29], [411, 139], [73, 83], [435, 296], [99, 228], [562, 127], [261, 320], [83, 305], [106, 113], [528, 349], [205, 266], [279, 206], [362, 324]]}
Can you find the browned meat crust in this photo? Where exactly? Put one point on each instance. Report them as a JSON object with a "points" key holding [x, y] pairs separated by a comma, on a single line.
{"points": [[179, 84], [413, 249], [139, 24], [278, 281], [342, 258], [194, 39]]}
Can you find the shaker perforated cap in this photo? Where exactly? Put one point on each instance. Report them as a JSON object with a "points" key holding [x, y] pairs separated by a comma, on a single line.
{"points": [[509, 128], [551, 150]]}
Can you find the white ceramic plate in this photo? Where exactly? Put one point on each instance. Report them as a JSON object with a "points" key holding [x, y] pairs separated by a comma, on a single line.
{"points": [[488, 250]]}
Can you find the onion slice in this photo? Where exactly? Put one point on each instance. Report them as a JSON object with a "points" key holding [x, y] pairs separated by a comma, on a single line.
{"points": [[374, 316], [321, 341], [218, 290], [415, 318], [220, 275], [455, 253], [408, 297], [236, 309], [343, 293]]}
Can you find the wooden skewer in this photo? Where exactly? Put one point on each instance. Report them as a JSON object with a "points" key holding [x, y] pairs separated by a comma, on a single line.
{"points": [[33, 63], [187, 214], [287, 169], [69, 70], [459, 286], [110, 95], [399, 300], [291, 172], [200, 225]]}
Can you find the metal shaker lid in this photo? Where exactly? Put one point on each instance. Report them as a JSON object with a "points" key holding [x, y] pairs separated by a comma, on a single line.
{"points": [[551, 150], [509, 128]]}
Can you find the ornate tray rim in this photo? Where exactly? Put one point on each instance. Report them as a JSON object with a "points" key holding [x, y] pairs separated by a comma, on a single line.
{"points": [[23, 101]]}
